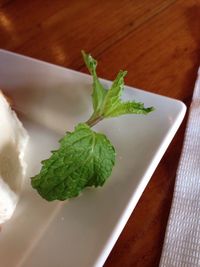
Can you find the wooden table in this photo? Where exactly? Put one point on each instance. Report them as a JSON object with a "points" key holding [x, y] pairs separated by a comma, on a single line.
{"points": [[156, 41]]}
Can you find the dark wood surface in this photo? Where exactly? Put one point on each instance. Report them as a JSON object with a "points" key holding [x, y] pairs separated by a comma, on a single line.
{"points": [[157, 41]]}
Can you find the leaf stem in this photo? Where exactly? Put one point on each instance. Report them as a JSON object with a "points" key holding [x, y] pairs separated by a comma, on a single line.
{"points": [[92, 121]]}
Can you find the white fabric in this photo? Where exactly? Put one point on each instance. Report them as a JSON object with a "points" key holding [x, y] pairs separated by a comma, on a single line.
{"points": [[182, 241]]}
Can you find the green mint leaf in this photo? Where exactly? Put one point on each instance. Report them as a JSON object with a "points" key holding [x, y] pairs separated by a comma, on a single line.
{"points": [[113, 97], [123, 108], [114, 93], [99, 91], [84, 158], [113, 105]]}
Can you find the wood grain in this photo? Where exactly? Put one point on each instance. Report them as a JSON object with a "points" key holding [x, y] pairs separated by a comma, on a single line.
{"points": [[158, 42]]}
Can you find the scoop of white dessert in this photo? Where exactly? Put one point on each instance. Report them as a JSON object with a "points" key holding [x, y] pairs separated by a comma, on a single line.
{"points": [[13, 141]]}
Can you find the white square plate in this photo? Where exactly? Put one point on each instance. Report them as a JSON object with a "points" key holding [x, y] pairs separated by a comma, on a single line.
{"points": [[82, 231]]}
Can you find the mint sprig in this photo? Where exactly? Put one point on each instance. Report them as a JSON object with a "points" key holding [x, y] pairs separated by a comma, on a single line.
{"points": [[85, 157], [108, 103]]}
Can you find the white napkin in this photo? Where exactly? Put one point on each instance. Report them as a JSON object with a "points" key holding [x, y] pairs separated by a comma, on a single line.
{"points": [[182, 241]]}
